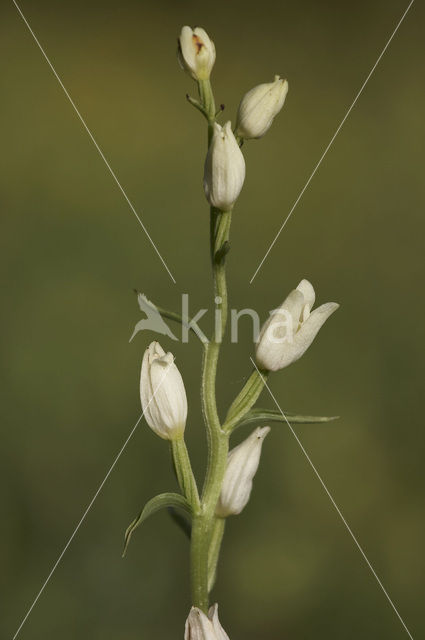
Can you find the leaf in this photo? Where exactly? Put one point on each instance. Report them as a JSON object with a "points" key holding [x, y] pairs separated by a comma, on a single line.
{"points": [[269, 415], [162, 501]]}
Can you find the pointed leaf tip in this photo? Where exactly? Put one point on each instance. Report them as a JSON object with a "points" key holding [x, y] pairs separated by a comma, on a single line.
{"points": [[270, 415], [161, 501]]}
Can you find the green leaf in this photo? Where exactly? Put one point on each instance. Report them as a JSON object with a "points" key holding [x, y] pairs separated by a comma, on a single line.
{"points": [[162, 501], [270, 415]]}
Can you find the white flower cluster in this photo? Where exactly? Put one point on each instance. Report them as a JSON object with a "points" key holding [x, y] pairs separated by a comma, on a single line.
{"points": [[224, 171], [284, 337]]}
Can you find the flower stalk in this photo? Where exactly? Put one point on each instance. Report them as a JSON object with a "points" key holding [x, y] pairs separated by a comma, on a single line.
{"points": [[218, 444], [284, 338]]}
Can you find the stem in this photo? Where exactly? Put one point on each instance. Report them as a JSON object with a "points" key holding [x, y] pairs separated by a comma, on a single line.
{"points": [[246, 399], [222, 225], [204, 533], [207, 100], [217, 440], [214, 213], [199, 562], [214, 550], [184, 473]]}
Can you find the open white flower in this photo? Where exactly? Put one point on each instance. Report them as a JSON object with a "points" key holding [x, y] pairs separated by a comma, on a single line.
{"points": [[259, 107], [242, 465], [196, 52], [291, 328], [162, 393], [224, 171], [204, 627]]}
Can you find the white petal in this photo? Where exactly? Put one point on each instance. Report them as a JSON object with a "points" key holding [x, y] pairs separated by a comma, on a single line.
{"points": [[198, 626], [196, 52], [278, 333], [242, 465], [218, 629], [259, 107], [170, 394], [308, 331], [224, 170], [310, 328], [146, 389], [162, 393], [187, 49], [307, 290]]}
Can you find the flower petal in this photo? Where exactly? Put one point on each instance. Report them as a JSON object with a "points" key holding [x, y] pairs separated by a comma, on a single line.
{"points": [[218, 629], [242, 465], [311, 327], [198, 626], [279, 331], [307, 290]]}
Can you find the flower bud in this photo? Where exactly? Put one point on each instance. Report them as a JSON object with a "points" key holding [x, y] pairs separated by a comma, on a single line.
{"points": [[242, 465], [202, 627], [291, 329], [196, 52], [224, 171], [162, 393], [259, 107]]}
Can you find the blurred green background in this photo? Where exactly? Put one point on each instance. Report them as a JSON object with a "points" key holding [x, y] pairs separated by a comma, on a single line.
{"points": [[72, 251]]}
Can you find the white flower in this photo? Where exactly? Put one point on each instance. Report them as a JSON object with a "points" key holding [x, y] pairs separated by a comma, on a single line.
{"points": [[224, 171], [291, 329], [162, 393], [196, 52], [242, 465], [202, 627], [259, 107]]}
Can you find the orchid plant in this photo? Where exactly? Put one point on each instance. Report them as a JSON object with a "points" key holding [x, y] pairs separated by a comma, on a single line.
{"points": [[284, 338]]}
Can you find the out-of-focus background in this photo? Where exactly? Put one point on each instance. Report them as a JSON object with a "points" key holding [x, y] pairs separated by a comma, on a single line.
{"points": [[72, 252]]}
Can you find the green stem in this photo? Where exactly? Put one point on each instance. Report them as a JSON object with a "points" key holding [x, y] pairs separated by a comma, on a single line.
{"points": [[246, 399], [203, 529], [199, 562], [217, 440], [209, 405], [214, 214], [184, 473], [214, 550], [203, 524], [207, 100], [223, 222]]}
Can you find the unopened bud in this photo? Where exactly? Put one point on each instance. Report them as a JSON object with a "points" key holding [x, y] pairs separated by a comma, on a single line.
{"points": [[196, 52], [162, 393], [242, 465], [259, 107], [224, 171]]}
